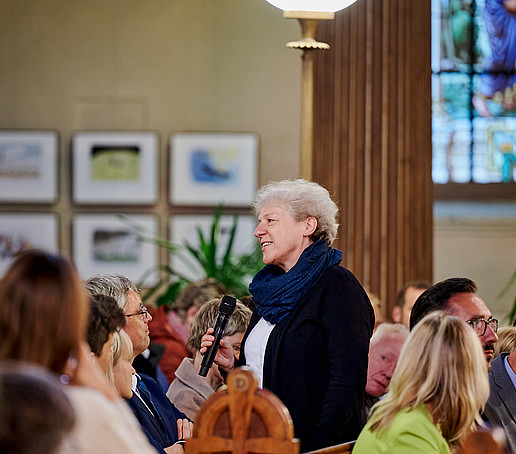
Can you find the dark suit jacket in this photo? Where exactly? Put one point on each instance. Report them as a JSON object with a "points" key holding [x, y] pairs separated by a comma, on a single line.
{"points": [[501, 407], [316, 359], [162, 431]]}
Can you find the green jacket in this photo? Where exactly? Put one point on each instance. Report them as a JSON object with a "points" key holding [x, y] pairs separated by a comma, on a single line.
{"points": [[411, 432]]}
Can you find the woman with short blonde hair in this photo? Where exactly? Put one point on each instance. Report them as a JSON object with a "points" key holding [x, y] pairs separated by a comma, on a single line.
{"points": [[436, 393]]}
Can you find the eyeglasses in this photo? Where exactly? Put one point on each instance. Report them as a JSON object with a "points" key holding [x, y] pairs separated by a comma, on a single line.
{"points": [[143, 311], [480, 325]]}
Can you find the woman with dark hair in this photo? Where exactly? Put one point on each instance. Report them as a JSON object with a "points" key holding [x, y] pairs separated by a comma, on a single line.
{"points": [[308, 338], [43, 316]]}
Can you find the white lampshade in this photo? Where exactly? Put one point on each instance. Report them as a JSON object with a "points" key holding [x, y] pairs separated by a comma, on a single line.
{"points": [[311, 5]]}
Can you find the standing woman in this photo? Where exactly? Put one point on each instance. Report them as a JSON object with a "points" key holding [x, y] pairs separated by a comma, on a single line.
{"points": [[436, 393], [43, 316], [308, 337]]}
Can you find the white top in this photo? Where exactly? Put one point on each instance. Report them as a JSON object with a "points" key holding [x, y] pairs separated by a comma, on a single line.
{"points": [[103, 426], [255, 346]]}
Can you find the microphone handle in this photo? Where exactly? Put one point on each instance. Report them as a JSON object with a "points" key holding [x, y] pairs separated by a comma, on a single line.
{"points": [[209, 356]]}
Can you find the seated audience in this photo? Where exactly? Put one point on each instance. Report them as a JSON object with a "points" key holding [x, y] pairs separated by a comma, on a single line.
{"points": [[501, 407], [104, 320], [35, 413], [436, 393], [384, 350], [405, 300], [189, 390], [148, 402], [43, 316], [458, 296], [171, 325]]}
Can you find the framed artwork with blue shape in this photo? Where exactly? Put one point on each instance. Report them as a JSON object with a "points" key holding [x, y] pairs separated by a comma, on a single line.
{"points": [[208, 169]]}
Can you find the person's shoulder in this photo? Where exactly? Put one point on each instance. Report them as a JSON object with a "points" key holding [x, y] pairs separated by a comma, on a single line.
{"points": [[415, 426], [337, 273], [103, 424]]}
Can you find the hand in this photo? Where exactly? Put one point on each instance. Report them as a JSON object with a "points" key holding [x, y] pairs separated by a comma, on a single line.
{"points": [[175, 449], [225, 357], [184, 429]]}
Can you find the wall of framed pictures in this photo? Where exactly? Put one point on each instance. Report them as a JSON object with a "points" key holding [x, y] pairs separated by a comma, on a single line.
{"points": [[91, 195]]}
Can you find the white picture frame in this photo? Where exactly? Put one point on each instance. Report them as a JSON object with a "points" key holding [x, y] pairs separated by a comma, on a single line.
{"points": [[105, 243], [28, 166], [20, 231], [184, 228], [209, 169], [115, 168]]}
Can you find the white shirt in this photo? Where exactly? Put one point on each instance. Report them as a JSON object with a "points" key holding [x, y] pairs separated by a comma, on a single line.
{"points": [[255, 346]]}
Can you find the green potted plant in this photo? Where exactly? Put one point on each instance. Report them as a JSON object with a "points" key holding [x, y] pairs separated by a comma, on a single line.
{"points": [[232, 270]]}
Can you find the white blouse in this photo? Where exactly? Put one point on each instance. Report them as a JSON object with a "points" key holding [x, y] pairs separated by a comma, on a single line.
{"points": [[255, 346]]}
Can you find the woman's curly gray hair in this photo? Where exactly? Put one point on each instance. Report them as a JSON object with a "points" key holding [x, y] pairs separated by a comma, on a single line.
{"points": [[302, 199]]}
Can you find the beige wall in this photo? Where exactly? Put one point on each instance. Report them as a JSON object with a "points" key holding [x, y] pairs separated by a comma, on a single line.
{"points": [[185, 65], [163, 65], [483, 249]]}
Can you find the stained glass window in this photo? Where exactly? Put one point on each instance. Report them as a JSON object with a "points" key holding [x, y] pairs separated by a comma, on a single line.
{"points": [[474, 91]]}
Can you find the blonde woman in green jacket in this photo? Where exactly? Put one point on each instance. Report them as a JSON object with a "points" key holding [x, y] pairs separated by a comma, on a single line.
{"points": [[436, 392]]}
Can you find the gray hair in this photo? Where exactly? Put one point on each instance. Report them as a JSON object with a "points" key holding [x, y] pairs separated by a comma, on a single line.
{"points": [[302, 199], [386, 329], [114, 285], [206, 318]]}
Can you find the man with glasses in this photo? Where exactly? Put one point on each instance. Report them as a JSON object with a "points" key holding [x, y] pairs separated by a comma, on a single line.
{"points": [[458, 296], [163, 424]]}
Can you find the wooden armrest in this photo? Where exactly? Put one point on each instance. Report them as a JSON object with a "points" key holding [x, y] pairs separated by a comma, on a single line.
{"points": [[343, 448]]}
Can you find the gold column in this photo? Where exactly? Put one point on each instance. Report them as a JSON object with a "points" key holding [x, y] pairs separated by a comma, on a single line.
{"points": [[308, 44]]}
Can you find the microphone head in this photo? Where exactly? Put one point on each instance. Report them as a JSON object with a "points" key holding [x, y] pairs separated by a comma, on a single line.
{"points": [[227, 305]]}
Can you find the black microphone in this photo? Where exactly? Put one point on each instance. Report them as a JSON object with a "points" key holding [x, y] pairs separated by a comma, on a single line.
{"points": [[226, 308]]}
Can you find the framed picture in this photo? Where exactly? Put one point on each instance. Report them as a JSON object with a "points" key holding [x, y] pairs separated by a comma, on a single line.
{"points": [[184, 228], [213, 168], [109, 244], [115, 168], [20, 231], [28, 166]]}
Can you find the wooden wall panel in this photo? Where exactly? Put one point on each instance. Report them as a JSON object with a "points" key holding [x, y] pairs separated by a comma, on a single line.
{"points": [[372, 139]]}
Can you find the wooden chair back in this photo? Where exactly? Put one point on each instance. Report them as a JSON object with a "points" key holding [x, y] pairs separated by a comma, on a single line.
{"points": [[243, 419], [343, 448], [485, 441]]}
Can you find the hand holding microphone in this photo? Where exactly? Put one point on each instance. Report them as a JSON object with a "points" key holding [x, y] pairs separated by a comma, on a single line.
{"points": [[227, 306]]}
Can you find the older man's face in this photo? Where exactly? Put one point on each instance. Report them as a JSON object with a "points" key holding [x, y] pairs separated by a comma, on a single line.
{"points": [[468, 307], [383, 357], [136, 326]]}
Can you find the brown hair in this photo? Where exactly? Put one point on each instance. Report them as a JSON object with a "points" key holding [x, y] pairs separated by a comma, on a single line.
{"points": [[207, 317], [105, 318], [43, 310], [196, 294]]}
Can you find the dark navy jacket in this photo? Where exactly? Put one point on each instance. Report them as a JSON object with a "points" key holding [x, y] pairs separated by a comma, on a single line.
{"points": [[161, 431]]}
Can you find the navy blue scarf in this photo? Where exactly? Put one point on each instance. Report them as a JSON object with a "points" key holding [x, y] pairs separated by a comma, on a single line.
{"points": [[276, 293]]}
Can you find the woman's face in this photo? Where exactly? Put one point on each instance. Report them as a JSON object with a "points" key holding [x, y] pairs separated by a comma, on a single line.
{"points": [[282, 238], [123, 373]]}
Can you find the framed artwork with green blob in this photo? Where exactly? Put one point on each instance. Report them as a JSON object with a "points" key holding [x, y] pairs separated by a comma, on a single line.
{"points": [[115, 168]]}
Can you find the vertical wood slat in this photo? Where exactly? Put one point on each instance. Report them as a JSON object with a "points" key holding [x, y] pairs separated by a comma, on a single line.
{"points": [[372, 139]]}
